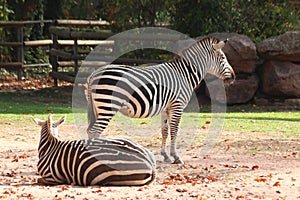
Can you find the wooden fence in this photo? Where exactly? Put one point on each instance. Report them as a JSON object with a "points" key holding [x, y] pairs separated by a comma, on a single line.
{"points": [[70, 43], [19, 44]]}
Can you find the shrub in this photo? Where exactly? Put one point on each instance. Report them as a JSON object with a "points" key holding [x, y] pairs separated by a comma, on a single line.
{"points": [[254, 18]]}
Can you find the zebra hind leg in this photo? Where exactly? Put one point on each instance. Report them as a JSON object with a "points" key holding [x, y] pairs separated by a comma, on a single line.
{"points": [[174, 123], [164, 133]]}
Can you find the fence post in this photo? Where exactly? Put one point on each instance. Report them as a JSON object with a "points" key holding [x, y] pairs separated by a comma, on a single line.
{"points": [[75, 57], [53, 58], [20, 51]]}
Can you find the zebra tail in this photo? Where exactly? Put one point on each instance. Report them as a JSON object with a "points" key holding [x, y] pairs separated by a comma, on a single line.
{"points": [[90, 105]]}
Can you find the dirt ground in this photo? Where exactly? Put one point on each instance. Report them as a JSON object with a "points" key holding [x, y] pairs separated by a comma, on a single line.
{"points": [[241, 166]]}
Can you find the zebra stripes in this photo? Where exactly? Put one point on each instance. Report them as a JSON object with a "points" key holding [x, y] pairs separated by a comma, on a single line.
{"points": [[145, 92], [91, 162]]}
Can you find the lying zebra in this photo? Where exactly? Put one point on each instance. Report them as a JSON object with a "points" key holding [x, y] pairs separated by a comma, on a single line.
{"points": [[91, 162]]}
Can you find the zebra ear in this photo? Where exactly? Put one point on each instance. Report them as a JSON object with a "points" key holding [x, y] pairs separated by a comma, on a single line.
{"points": [[38, 121], [219, 45], [60, 121]]}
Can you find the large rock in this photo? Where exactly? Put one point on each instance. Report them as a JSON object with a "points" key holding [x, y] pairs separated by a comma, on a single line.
{"points": [[241, 91], [276, 102], [240, 52], [284, 47], [281, 79]]}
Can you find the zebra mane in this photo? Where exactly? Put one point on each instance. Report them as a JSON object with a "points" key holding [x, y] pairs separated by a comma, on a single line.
{"points": [[210, 39], [49, 124]]}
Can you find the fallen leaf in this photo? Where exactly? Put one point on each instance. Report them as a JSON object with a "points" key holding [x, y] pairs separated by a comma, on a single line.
{"points": [[143, 188], [165, 182], [255, 167], [276, 184], [270, 175], [211, 178], [26, 195], [181, 190], [182, 183], [63, 188], [23, 156], [97, 191], [194, 183], [17, 186], [207, 122], [260, 179], [245, 166]]}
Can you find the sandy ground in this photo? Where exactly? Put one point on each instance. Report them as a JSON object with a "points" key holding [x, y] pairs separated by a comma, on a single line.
{"points": [[241, 166]]}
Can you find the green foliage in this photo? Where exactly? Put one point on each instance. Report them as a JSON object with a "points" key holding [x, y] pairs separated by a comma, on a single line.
{"points": [[4, 10], [254, 18], [82, 9], [4, 13], [130, 14]]}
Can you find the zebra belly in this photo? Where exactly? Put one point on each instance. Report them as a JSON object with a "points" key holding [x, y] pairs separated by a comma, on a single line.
{"points": [[114, 162]]}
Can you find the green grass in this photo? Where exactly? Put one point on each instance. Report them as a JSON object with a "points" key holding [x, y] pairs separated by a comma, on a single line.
{"points": [[21, 106], [278, 123], [277, 120]]}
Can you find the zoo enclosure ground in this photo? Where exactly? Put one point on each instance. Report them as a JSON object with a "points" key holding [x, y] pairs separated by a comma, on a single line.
{"points": [[243, 165]]}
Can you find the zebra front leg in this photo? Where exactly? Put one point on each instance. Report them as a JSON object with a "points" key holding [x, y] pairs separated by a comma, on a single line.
{"points": [[164, 133], [100, 112], [174, 123]]}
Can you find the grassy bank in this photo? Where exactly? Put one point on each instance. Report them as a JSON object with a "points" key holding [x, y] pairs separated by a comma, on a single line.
{"points": [[17, 107]]}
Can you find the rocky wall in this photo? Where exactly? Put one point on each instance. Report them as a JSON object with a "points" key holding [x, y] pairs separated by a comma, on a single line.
{"points": [[268, 73]]}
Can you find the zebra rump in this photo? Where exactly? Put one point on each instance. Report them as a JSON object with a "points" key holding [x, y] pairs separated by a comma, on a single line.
{"points": [[97, 161]]}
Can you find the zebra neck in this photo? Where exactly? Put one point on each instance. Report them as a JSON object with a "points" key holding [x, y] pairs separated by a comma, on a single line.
{"points": [[47, 142], [188, 70]]}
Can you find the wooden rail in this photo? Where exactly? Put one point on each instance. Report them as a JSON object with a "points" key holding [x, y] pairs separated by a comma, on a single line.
{"points": [[70, 43], [20, 44]]}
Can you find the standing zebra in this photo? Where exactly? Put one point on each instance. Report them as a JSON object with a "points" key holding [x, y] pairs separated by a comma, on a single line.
{"points": [[91, 162], [164, 88]]}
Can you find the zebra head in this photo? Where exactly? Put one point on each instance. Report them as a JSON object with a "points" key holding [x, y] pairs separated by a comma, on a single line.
{"points": [[219, 65], [49, 126]]}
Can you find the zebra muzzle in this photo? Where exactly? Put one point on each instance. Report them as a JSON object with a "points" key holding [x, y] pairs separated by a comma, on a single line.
{"points": [[230, 80]]}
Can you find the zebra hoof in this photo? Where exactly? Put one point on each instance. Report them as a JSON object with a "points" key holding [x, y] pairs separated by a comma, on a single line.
{"points": [[178, 161], [167, 160]]}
